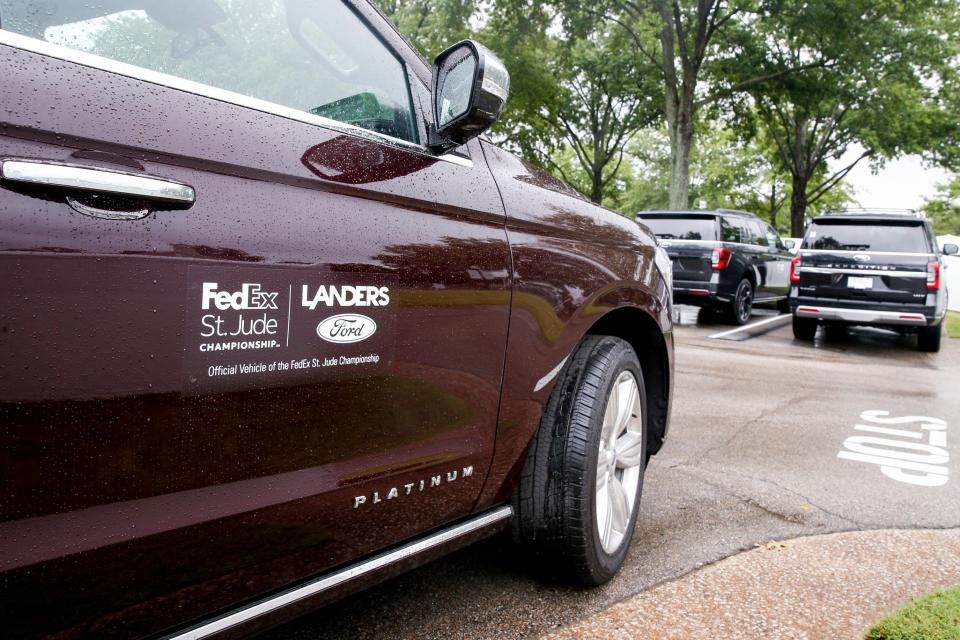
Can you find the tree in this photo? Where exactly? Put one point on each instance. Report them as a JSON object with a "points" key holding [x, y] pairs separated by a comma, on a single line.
{"points": [[727, 170], [888, 92], [598, 110], [703, 51], [944, 209], [431, 25], [578, 95]]}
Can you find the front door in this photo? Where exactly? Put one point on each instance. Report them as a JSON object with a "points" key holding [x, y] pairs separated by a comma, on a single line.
{"points": [[290, 360]]}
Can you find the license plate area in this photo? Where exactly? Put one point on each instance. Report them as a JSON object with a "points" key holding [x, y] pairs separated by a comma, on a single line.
{"points": [[858, 282]]}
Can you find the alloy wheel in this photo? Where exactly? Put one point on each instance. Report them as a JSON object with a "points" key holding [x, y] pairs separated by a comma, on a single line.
{"points": [[619, 461], [744, 302]]}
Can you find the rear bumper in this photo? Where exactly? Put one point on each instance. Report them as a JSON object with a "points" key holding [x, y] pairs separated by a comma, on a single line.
{"points": [[698, 292], [862, 314], [694, 295]]}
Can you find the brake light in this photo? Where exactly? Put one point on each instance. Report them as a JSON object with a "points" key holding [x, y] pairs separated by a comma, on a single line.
{"points": [[720, 258], [795, 269], [933, 275]]}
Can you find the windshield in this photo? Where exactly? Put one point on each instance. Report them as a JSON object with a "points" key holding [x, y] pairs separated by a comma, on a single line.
{"points": [[682, 227], [906, 236]]}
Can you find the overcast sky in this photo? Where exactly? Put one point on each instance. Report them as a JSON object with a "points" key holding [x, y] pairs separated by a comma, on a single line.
{"points": [[902, 184]]}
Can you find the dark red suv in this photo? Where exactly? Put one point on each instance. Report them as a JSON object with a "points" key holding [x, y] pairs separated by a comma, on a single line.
{"points": [[276, 321]]}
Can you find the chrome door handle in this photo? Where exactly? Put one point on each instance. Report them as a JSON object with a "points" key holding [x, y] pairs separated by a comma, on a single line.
{"points": [[97, 180]]}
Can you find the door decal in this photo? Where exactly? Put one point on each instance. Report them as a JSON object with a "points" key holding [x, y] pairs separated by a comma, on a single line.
{"points": [[249, 327]]}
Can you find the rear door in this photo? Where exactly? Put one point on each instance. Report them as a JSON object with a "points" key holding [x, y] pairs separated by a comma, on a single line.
{"points": [[868, 260], [775, 261], [294, 363], [747, 252]]}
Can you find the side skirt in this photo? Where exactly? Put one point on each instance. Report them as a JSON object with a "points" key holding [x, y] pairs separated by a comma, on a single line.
{"points": [[338, 578]]}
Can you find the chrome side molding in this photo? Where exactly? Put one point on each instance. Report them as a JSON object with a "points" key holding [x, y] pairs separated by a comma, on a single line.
{"points": [[343, 576]]}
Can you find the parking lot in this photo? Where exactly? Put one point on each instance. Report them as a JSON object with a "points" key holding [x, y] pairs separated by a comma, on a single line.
{"points": [[771, 439]]}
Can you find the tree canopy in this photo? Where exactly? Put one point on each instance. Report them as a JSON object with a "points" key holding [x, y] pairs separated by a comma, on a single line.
{"points": [[760, 104]]}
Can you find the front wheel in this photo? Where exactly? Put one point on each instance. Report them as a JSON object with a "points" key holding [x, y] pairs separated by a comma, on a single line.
{"points": [[579, 492], [742, 306], [928, 338]]}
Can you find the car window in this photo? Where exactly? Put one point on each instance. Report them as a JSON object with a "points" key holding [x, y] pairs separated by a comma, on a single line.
{"points": [[728, 232], [908, 236], [758, 233], [773, 240], [741, 231], [311, 55], [682, 227]]}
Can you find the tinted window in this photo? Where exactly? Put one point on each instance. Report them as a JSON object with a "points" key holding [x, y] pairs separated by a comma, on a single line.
{"points": [[737, 230], [846, 235], [729, 233], [773, 239], [758, 233], [311, 55], [906, 236], [682, 228]]}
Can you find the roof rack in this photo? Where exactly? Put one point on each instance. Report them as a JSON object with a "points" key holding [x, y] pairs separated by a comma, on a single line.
{"points": [[700, 211], [738, 211], [877, 211]]}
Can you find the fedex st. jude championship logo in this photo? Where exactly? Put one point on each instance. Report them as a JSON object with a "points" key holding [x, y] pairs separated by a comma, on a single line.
{"points": [[254, 327]]}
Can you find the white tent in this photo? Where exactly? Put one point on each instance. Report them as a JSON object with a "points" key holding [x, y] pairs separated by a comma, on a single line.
{"points": [[951, 275]]}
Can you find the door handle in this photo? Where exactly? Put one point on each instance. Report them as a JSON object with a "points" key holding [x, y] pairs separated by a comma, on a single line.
{"points": [[96, 180]]}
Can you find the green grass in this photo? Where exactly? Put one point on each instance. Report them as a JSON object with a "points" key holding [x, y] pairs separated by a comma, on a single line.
{"points": [[953, 324], [935, 617]]}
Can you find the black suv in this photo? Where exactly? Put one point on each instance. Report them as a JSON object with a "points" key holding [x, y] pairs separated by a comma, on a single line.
{"points": [[870, 268], [722, 258]]}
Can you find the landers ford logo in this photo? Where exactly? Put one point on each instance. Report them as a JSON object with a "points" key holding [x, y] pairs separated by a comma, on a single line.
{"points": [[346, 327], [861, 257]]}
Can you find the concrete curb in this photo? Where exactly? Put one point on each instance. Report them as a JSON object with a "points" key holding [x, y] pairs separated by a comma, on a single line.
{"points": [[831, 587]]}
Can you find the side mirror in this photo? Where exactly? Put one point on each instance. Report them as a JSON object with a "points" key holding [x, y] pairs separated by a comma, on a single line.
{"points": [[950, 249], [470, 88], [789, 244]]}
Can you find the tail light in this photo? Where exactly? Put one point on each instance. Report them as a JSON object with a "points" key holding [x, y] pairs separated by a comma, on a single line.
{"points": [[795, 269], [933, 275], [720, 258]]}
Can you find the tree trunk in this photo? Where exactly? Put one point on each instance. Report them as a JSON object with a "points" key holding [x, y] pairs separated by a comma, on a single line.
{"points": [[681, 142], [773, 205], [798, 206], [596, 186], [680, 107]]}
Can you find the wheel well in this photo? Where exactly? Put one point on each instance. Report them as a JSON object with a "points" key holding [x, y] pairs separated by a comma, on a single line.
{"points": [[647, 340]]}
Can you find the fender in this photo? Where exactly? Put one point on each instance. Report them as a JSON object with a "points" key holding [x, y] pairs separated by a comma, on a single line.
{"points": [[577, 267]]}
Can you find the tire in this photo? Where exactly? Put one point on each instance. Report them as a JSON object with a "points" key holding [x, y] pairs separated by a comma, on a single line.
{"points": [[804, 328], [576, 531], [835, 331], [738, 311], [928, 338], [783, 306]]}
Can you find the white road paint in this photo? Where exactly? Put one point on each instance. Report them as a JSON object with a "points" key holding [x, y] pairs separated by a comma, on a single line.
{"points": [[899, 455], [747, 327]]}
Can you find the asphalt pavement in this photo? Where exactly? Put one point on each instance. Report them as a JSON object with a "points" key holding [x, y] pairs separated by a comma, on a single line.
{"points": [[771, 439]]}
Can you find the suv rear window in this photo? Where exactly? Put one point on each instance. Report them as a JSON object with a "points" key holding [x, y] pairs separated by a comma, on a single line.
{"points": [[682, 227], [907, 236]]}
